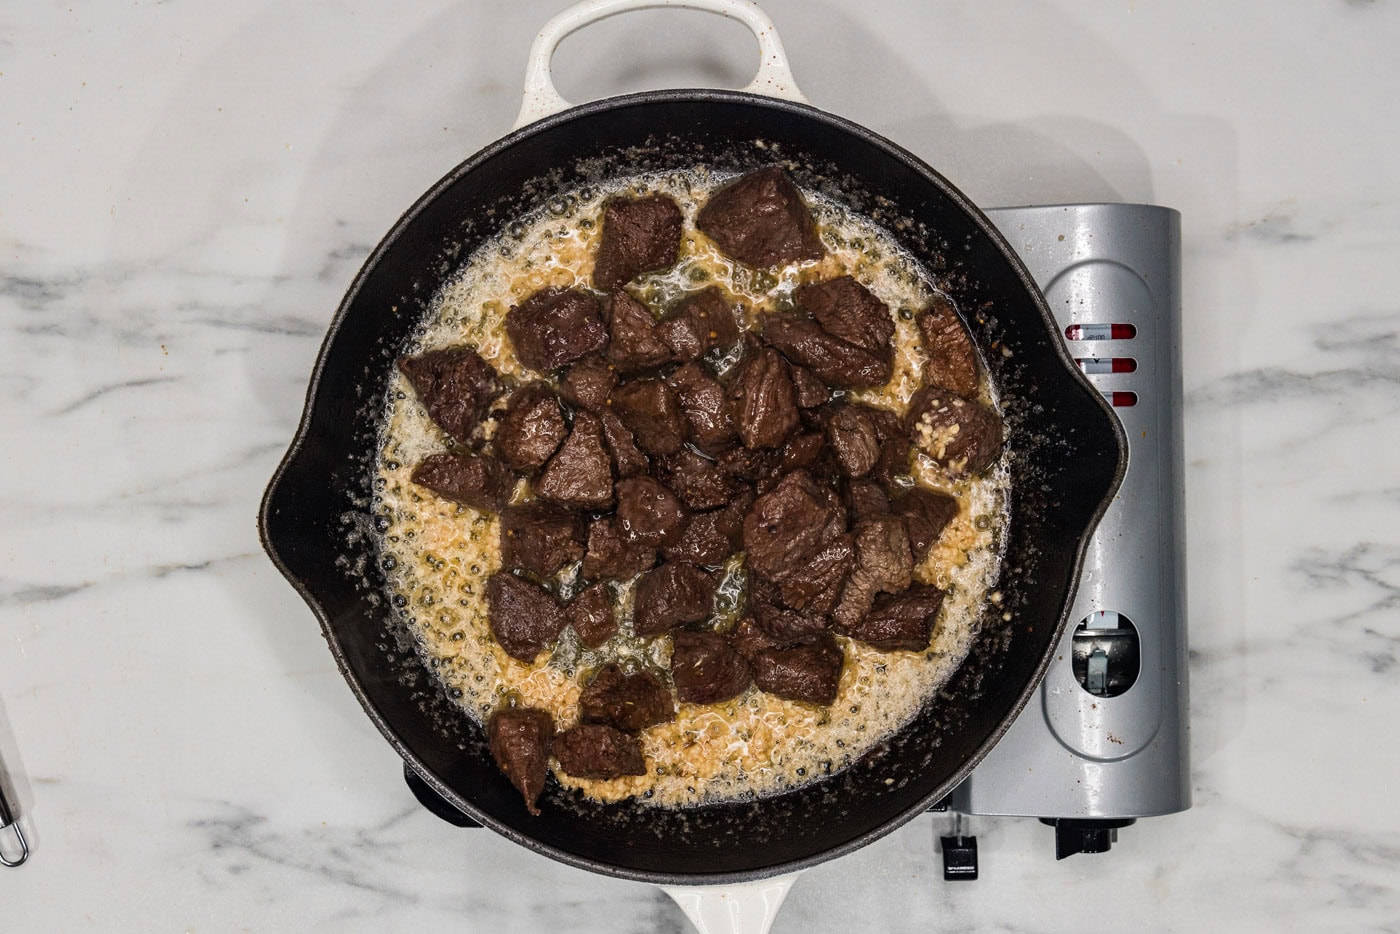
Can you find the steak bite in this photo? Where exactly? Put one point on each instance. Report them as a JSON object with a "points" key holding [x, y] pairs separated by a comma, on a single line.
{"points": [[902, 621], [748, 639], [520, 738], [866, 499], [524, 617], [763, 399], [531, 429], [809, 671], [650, 410], [630, 702], [633, 343], [700, 323], [554, 327], [588, 383], [846, 309], [648, 513], [835, 362], [851, 432], [610, 556], [811, 391], [961, 435], [702, 542], [952, 359], [579, 476], [698, 481], [596, 750], [639, 235], [761, 220], [781, 624], [706, 669], [707, 413], [804, 452], [894, 448], [672, 595], [628, 459], [540, 538], [815, 587], [591, 615], [455, 385], [884, 564], [789, 526], [926, 514], [476, 480]]}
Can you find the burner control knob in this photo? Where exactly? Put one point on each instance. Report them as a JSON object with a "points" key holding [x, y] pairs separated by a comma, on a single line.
{"points": [[1080, 835]]}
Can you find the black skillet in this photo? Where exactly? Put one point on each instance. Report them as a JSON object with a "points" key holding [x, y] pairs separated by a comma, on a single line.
{"points": [[1065, 451]]}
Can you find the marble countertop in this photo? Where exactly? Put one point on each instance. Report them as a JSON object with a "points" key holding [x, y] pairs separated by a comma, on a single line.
{"points": [[189, 188]]}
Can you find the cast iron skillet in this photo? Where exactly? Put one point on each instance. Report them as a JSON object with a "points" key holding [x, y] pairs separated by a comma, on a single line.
{"points": [[1064, 448]]}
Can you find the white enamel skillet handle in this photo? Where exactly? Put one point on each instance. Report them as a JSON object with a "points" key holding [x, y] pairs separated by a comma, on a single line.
{"points": [[774, 77]]}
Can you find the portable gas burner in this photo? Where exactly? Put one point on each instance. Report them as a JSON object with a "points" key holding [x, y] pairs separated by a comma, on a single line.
{"points": [[1104, 741]]}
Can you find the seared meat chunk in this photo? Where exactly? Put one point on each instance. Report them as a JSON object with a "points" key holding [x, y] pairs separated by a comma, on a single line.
{"points": [[629, 701], [580, 474], [962, 435], [748, 639], [531, 429], [700, 323], [699, 481], [894, 448], [648, 513], [455, 385], [540, 538], [789, 526], [639, 235], [672, 595], [628, 459], [650, 410], [804, 452], [926, 513], [763, 399], [809, 671], [851, 432], [866, 499], [815, 587], [610, 556], [884, 564], [811, 391], [520, 738], [711, 537], [596, 750], [476, 480], [761, 468], [781, 623], [706, 411], [634, 345], [705, 669], [902, 621], [524, 617], [588, 383], [591, 615], [846, 309], [952, 358], [761, 220], [554, 327], [834, 361]]}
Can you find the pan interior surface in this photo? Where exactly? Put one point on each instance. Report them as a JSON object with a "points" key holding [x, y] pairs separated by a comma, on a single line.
{"points": [[1064, 450]]}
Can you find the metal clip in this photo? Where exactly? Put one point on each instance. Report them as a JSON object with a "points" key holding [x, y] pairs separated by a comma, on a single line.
{"points": [[9, 821]]}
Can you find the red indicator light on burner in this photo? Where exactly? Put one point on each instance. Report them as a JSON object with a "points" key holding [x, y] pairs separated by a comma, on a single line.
{"points": [[1101, 332], [1123, 400], [1097, 366]]}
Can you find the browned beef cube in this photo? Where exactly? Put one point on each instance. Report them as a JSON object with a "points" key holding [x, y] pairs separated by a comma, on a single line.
{"points": [[788, 527], [866, 499], [596, 750], [902, 621], [835, 362], [639, 235], [846, 309], [706, 411], [610, 556], [455, 385], [851, 432], [763, 399], [699, 324], [926, 513], [650, 410], [580, 474], [809, 671], [748, 639], [629, 701], [698, 481], [634, 345], [588, 383], [781, 624], [816, 585], [962, 435], [476, 480], [554, 327], [811, 391], [952, 358], [628, 459], [761, 220], [883, 564], [762, 468], [540, 539], [672, 595], [804, 452], [706, 669], [524, 617], [520, 738], [531, 429], [591, 614], [701, 542], [648, 513], [895, 450]]}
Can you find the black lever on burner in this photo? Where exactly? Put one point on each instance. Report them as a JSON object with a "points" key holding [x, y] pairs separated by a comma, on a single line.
{"points": [[433, 801]]}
